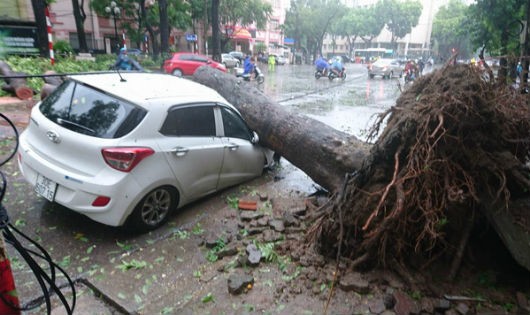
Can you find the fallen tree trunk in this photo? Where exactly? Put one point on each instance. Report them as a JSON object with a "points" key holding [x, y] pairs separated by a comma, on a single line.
{"points": [[15, 86], [322, 152]]}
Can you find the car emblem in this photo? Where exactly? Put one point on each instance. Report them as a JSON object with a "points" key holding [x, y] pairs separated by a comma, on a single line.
{"points": [[53, 136]]}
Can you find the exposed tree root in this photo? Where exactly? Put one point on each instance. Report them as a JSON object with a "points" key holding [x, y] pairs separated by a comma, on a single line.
{"points": [[451, 137]]}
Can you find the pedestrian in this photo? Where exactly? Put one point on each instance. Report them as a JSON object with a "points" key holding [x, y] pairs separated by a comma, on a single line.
{"points": [[272, 62]]}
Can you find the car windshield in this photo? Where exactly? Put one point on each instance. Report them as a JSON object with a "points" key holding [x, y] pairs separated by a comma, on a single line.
{"points": [[84, 110]]}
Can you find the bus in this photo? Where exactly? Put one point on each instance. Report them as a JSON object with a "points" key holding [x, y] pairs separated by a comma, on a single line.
{"points": [[370, 54]]}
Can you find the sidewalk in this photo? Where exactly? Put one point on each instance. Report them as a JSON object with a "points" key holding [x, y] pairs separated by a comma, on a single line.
{"points": [[17, 111]]}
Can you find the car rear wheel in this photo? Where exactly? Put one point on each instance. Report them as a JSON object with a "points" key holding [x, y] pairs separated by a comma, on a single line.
{"points": [[153, 210], [177, 72], [372, 76]]}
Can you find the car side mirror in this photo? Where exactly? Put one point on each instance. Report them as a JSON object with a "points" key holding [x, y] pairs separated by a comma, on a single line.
{"points": [[255, 138]]}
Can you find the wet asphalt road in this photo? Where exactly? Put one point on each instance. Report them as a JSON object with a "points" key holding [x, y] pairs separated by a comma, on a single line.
{"points": [[88, 249]]}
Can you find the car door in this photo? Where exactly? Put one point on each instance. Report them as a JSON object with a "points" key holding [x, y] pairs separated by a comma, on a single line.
{"points": [[242, 160], [192, 149], [188, 63]]}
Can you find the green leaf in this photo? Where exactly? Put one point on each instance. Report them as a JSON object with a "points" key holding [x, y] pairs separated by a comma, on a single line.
{"points": [[208, 298]]}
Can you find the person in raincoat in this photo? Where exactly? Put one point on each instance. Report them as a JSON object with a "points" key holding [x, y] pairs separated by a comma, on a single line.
{"points": [[272, 62]]}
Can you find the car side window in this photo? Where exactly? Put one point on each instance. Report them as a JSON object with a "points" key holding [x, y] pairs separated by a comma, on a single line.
{"points": [[233, 125], [200, 59], [191, 121], [186, 57]]}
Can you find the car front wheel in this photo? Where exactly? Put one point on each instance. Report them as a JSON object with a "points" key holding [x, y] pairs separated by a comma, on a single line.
{"points": [[177, 72], [153, 210]]}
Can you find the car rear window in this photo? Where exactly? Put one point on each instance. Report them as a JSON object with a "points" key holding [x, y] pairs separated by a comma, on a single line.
{"points": [[88, 111]]}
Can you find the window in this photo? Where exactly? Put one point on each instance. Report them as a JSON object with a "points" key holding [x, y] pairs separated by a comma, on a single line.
{"points": [[192, 121], [84, 110], [234, 126], [200, 58]]}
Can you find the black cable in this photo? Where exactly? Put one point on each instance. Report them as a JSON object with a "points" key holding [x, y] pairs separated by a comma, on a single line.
{"points": [[42, 277]]}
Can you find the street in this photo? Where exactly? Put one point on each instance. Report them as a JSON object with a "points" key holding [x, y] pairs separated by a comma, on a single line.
{"points": [[155, 272]]}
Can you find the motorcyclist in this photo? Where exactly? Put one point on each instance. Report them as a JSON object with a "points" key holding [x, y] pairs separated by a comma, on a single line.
{"points": [[322, 65], [123, 62], [248, 66], [410, 70], [336, 66]]}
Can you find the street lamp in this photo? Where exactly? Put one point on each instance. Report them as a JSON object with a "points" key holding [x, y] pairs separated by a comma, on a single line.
{"points": [[114, 10]]}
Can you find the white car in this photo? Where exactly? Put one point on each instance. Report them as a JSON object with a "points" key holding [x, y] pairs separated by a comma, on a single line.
{"points": [[229, 61], [130, 148], [386, 68]]}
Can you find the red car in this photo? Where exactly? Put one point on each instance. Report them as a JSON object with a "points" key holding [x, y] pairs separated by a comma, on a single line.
{"points": [[185, 63]]}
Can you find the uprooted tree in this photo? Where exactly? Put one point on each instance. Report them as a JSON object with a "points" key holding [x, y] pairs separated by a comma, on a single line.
{"points": [[453, 154]]}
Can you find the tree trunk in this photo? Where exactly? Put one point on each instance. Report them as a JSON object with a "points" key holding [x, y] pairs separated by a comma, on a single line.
{"points": [[216, 49], [164, 28], [16, 86], [39, 7], [79, 18], [322, 152]]}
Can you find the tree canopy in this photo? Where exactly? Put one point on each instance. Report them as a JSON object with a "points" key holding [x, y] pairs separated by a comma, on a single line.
{"points": [[400, 17], [450, 30], [307, 21]]}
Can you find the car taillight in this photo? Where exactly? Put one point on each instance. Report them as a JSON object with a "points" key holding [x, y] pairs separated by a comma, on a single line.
{"points": [[125, 158], [101, 201]]}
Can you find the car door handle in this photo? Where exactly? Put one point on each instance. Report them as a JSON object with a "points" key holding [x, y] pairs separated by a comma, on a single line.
{"points": [[180, 151], [232, 146]]}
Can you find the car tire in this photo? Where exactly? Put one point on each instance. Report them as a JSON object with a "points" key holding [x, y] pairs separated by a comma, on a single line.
{"points": [[177, 72], [154, 209], [372, 76]]}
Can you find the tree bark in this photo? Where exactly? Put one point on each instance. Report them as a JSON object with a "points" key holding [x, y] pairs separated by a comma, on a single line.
{"points": [[79, 17], [322, 152], [216, 51], [164, 27], [39, 7]]}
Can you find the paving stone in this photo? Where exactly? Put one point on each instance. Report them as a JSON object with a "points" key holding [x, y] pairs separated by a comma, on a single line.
{"points": [[354, 281], [238, 283]]}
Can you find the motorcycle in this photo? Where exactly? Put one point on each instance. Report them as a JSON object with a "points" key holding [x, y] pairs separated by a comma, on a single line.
{"points": [[410, 76], [332, 75], [320, 73], [258, 75]]}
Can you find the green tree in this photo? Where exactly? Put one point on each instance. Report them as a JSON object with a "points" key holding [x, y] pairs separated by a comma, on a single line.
{"points": [[497, 28], [400, 17], [449, 29], [310, 20], [372, 23], [137, 18]]}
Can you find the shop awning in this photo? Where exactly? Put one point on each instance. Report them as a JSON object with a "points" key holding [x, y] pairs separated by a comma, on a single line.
{"points": [[241, 34]]}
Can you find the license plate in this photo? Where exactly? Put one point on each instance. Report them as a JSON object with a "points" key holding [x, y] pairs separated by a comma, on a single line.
{"points": [[45, 187]]}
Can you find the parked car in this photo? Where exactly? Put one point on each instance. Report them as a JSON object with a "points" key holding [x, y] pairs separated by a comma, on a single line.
{"points": [[185, 63], [238, 55], [130, 148], [385, 68], [230, 61]]}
